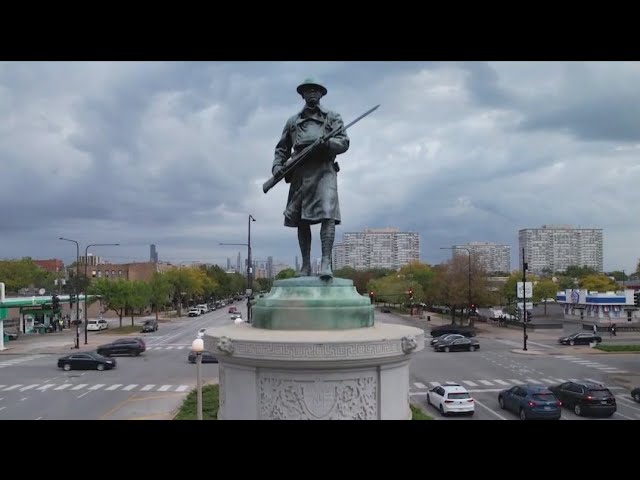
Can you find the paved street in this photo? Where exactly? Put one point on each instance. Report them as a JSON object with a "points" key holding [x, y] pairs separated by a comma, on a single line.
{"points": [[500, 363], [149, 386]]}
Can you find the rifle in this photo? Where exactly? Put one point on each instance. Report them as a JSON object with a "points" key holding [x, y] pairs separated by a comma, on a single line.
{"points": [[294, 161]]}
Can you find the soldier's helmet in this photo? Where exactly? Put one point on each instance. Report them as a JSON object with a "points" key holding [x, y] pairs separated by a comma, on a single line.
{"points": [[310, 82]]}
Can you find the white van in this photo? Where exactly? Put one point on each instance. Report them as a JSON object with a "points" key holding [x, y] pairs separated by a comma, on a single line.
{"points": [[203, 308], [97, 325]]}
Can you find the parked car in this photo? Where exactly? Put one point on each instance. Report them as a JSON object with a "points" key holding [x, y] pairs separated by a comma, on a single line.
{"points": [[457, 344], [10, 335], [437, 340], [98, 325], [86, 361], [149, 326], [194, 312], [451, 399], [586, 398], [580, 339], [207, 357], [635, 394], [123, 346], [531, 402], [446, 329]]}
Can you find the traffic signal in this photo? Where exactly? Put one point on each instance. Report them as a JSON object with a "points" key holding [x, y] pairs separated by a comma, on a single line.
{"points": [[371, 296], [56, 303], [410, 293], [72, 299], [636, 299]]}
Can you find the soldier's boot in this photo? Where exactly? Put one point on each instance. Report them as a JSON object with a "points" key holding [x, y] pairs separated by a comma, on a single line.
{"points": [[304, 239], [327, 236]]}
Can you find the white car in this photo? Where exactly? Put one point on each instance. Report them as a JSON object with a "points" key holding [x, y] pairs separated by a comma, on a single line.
{"points": [[451, 399]]}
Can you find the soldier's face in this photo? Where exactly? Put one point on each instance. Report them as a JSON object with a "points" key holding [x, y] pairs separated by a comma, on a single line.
{"points": [[311, 96]]}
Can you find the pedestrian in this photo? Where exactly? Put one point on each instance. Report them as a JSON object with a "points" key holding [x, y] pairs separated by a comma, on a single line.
{"points": [[613, 329], [595, 329], [313, 191]]}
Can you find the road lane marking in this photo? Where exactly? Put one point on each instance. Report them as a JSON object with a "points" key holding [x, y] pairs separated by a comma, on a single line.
{"points": [[130, 387], [531, 380], [46, 387], [146, 388], [491, 410], [486, 382], [114, 387], [12, 387], [83, 394], [96, 387], [548, 380], [62, 387], [419, 385], [501, 382], [470, 383], [516, 382], [29, 387], [624, 416], [164, 388], [80, 386], [182, 388]]}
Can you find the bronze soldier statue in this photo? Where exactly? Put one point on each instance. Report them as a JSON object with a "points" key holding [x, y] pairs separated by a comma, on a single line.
{"points": [[313, 191]]}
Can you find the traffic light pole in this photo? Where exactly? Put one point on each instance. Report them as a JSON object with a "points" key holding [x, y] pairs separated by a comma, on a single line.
{"points": [[524, 301]]}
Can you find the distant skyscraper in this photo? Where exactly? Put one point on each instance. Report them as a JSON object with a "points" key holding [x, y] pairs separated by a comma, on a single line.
{"points": [[228, 264], [297, 264], [239, 264], [376, 248], [493, 258], [556, 247], [269, 268], [153, 256]]}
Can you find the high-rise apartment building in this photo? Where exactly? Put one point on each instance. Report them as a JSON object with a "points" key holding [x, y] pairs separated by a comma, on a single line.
{"points": [[153, 254], [556, 247], [376, 248], [492, 257]]}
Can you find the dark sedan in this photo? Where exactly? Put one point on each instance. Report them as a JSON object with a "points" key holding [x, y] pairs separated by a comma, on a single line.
{"points": [[436, 340], [635, 394], [123, 346], [586, 398], [457, 344], [86, 361], [580, 339], [530, 402], [207, 357], [446, 329]]}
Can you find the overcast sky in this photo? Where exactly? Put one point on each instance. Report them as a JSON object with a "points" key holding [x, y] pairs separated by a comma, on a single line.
{"points": [[175, 153]]}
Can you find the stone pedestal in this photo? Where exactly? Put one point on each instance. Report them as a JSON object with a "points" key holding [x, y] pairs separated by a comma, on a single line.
{"points": [[314, 353]]}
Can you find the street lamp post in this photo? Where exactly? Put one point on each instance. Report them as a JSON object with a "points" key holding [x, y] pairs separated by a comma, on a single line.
{"points": [[86, 308], [198, 347], [249, 268], [469, 252], [76, 289]]}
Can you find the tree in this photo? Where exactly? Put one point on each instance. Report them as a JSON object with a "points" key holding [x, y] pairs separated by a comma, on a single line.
{"points": [[17, 274], [115, 294], [598, 283], [139, 296], [580, 272], [286, 273], [619, 275], [544, 289], [161, 291]]}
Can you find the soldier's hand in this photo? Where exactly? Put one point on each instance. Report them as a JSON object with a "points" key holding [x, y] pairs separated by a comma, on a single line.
{"points": [[276, 170]]}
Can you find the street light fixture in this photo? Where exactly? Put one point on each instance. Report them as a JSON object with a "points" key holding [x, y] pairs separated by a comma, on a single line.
{"points": [[198, 347], [76, 288], [468, 251], [86, 307], [249, 267]]}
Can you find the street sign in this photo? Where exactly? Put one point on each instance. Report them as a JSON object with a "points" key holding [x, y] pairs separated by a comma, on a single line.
{"points": [[528, 290], [529, 305], [4, 313]]}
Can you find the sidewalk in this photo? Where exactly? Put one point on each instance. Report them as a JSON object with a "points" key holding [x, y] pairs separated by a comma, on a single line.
{"points": [[61, 343]]}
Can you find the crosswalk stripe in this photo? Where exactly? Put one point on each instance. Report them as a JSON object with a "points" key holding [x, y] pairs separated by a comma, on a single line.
{"points": [[130, 387], [449, 382], [574, 380], [2, 386], [164, 388], [146, 388], [470, 383], [114, 387], [531, 380], [435, 384], [592, 380], [486, 382], [516, 382], [501, 382], [548, 380], [12, 387], [80, 386], [559, 380], [420, 385], [181, 347], [29, 387], [170, 348], [182, 388], [63, 386], [96, 387], [46, 387]]}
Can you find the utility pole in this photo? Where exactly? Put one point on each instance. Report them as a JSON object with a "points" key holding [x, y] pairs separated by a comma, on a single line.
{"points": [[524, 300]]}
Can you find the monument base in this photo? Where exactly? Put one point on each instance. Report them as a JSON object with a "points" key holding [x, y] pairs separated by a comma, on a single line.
{"points": [[349, 374]]}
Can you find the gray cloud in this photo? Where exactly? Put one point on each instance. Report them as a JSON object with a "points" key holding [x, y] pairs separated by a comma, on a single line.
{"points": [[175, 153]]}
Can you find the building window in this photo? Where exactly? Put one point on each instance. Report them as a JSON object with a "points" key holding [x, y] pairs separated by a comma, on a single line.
{"points": [[119, 273]]}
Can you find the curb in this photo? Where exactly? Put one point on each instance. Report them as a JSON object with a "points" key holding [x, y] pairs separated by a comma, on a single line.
{"points": [[528, 352]]}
